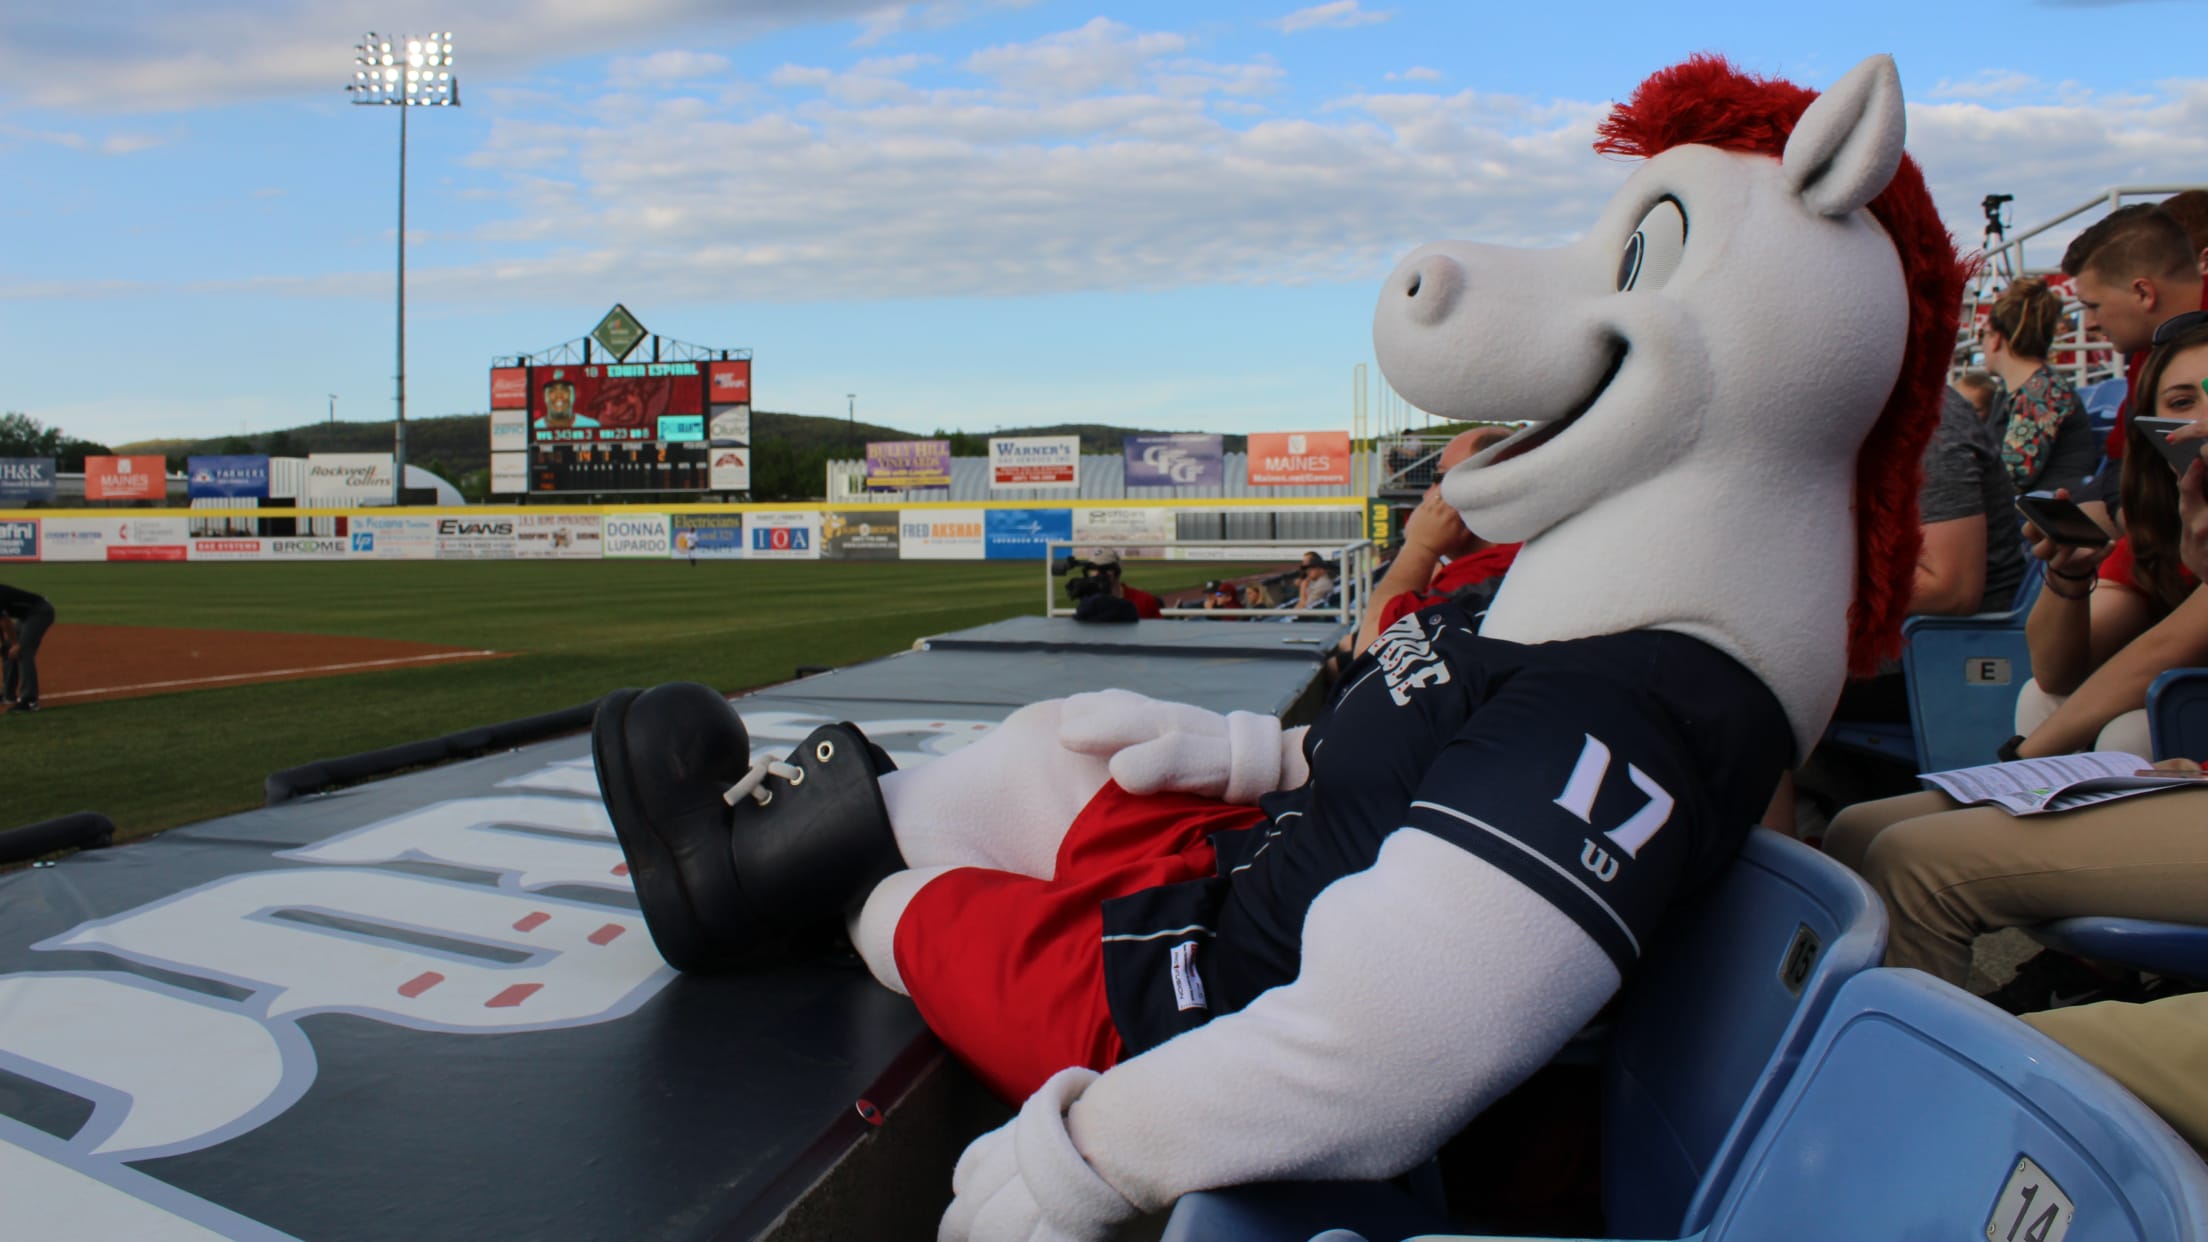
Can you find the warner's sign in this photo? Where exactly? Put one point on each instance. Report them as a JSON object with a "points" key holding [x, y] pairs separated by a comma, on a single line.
{"points": [[1292, 458]]}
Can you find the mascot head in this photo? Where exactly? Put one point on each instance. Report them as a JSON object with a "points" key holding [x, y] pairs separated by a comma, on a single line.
{"points": [[1730, 380]]}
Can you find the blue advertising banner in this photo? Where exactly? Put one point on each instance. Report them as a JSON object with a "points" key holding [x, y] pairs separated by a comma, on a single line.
{"points": [[1021, 534], [19, 539], [232, 478], [710, 536], [26, 478], [1176, 461]]}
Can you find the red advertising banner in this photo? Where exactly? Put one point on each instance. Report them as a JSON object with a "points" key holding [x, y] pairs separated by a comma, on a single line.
{"points": [[617, 402], [509, 388], [729, 382], [126, 478], [1293, 458]]}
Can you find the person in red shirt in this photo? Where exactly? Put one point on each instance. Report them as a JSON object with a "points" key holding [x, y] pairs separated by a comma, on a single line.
{"points": [[1105, 564], [1439, 556], [2136, 271]]}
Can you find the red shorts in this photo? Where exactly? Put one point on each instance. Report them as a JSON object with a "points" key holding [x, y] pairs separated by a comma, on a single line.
{"points": [[1008, 970]]}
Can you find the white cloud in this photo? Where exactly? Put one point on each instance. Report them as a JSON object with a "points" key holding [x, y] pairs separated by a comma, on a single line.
{"points": [[73, 56], [1416, 73], [1333, 15], [1101, 55], [896, 19], [667, 68]]}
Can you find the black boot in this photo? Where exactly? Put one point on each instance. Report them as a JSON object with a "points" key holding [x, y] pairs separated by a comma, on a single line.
{"points": [[716, 882]]}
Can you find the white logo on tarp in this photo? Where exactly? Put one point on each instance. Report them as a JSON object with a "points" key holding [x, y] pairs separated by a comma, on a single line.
{"points": [[1188, 986]]}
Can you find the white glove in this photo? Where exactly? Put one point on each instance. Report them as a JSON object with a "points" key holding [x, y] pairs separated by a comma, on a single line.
{"points": [[1025, 1181], [1151, 746]]}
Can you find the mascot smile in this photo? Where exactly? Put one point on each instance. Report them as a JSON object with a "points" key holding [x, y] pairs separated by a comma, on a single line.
{"points": [[1207, 950]]}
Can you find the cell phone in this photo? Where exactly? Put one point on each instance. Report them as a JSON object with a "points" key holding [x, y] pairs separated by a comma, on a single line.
{"points": [[2181, 454], [2063, 521]]}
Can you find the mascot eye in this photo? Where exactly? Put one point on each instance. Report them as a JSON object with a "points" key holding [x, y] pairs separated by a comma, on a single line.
{"points": [[1654, 251]]}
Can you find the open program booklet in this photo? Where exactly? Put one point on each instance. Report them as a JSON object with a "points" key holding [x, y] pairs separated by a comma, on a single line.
{"points": [[2033, 786]]}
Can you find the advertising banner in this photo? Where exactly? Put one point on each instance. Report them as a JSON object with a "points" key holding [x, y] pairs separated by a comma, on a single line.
{"points": [[1035, 461], [1021, 534], [558, 536], [19, 539], [309, 548], [227, 477], [782, 536], [858, 535], [509, 431], [509, 390], [126, 478], [1133, 532], [1176, 461], [710, 536], [730, 426], [228, 550], [727, 382], [148, 539], [26, 478], [941, 535], [1291, 458], [393, 538], [509, 473], [475, 539], [898, 465], [638, 535], [74, 539], [337, 480], [731, 470]]}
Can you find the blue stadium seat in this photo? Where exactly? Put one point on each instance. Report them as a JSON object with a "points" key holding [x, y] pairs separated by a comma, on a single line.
{"points": [[1715, 1020], [2103, 400], [2177, 714], [1964, 675], [2177, 718], [1922, 1112]]}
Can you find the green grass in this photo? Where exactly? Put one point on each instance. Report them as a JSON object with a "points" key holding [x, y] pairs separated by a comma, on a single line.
{"points": [[580, 628]]}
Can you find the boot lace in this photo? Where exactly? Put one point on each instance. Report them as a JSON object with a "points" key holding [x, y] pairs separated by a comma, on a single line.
{"points": [[751, 782]]}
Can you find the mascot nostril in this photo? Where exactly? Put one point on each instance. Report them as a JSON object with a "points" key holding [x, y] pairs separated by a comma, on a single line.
{"points": [[1432, 287], [1206, 949]]}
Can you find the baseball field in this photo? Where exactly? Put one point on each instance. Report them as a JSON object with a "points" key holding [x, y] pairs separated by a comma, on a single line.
{"points": [[171, 691]]}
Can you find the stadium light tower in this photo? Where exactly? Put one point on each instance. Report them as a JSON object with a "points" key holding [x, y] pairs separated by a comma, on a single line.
{"points": [[405, 72]]}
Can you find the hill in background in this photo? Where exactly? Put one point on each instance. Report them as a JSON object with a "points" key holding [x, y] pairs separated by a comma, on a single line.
{"points": [[790, 451]]}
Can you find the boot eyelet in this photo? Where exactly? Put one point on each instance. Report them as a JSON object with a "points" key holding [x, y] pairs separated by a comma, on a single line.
{"points": [[766, 795], [797, 778], [825, 751]]}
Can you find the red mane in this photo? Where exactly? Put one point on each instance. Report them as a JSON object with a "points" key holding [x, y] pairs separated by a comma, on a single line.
{"points": [[1707, 102]]}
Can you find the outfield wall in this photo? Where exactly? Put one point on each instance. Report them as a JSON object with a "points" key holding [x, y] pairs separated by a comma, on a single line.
{"points": [[857, 532]]}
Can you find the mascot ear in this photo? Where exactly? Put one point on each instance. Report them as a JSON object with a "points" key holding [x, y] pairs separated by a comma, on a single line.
{"points": [[1847, 145]]}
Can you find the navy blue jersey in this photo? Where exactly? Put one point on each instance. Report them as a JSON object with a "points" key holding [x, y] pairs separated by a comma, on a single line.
{"points": [[1609, 774]]}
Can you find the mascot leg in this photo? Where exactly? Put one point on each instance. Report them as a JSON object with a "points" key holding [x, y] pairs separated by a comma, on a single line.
{"points": [[1003, 803]]}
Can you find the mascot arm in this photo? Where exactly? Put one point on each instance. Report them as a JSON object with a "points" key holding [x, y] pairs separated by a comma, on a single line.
{"points": [[1431, 984], [1152, 746]]}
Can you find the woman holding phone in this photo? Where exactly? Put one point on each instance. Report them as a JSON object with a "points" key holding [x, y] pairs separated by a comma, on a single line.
{"points": [[2109, 620], [2112, 618]]}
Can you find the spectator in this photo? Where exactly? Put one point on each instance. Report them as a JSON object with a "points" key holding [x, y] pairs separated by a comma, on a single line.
{"points": [[2046, 438], [1314, 584], [2158, 1051], [1971, 560], [1979, 388], [1221, 594], [1950, 872], [2190, 210], [1440, 558], [1104, 568], [29, 616], [2135, 271], [2112, 619]]}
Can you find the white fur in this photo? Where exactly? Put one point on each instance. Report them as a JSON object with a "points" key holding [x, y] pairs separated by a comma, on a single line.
{"points": [[1003, 803], [1432, 983], [1709, 489], [1026, 1182], [1848, 145], [1152, 746]]}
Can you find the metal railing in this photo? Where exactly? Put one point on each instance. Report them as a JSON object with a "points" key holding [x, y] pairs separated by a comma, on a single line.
{"points": [[1353, 561]]}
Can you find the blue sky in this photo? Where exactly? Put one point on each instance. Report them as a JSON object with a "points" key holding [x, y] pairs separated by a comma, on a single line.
{"points": [[972, 213]]}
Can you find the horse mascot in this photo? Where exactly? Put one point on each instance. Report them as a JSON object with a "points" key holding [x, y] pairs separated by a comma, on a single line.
{"points": [[1205, 950]]}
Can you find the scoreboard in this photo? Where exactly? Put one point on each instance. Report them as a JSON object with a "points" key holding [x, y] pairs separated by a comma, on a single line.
{"points": [[624, 427]]}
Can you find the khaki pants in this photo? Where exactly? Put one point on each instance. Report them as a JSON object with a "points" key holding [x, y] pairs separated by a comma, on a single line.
{"points": [[2158, 1050], [1949, 872]]}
